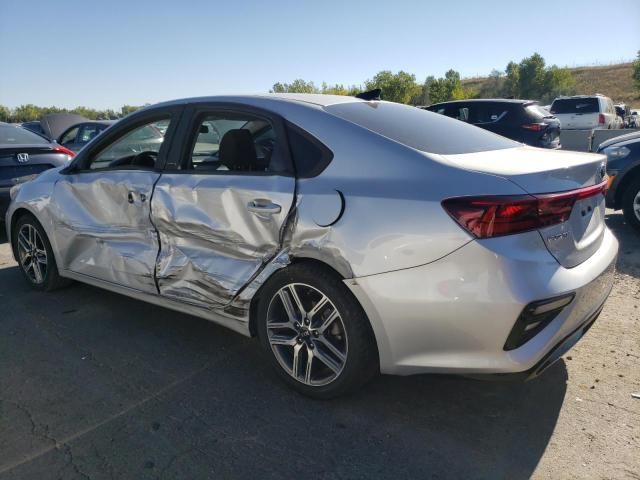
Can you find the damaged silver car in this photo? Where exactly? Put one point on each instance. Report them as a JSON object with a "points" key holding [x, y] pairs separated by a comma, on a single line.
{"points": [[350, 236]]}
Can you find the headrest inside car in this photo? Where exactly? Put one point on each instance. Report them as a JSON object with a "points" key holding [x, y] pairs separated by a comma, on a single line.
{"points": [[237, 151]]}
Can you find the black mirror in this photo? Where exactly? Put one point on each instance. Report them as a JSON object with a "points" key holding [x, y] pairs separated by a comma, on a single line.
{"points": [[204, 128]]}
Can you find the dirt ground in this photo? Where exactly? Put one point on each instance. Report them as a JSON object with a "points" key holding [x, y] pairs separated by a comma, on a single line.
{"points": [[96, 385]]}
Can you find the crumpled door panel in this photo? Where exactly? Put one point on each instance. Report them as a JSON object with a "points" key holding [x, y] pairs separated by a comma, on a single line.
{"points": [[100, 233], [211, 244]]}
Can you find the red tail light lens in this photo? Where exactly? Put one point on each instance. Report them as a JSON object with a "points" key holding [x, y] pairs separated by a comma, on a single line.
{"points": [[601, 118], [494, 216], [535, 127], [65, 150]]}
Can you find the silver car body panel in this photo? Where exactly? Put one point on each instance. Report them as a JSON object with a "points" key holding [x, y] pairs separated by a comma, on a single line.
{"points": [[438, 299], [212, 245], [103, 229]]}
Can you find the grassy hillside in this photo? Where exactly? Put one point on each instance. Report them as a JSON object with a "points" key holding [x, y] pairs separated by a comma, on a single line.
{"points": [[611, 80]]}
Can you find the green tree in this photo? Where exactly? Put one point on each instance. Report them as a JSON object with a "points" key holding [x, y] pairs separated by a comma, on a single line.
{"points": [[5, 114], [512, 81], [557, 81], [449, 88], [297, 86], [636, 72], [400, 87], [532, 77]]}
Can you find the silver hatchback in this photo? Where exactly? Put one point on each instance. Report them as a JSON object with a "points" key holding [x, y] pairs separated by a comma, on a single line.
{"points": [[350, 236]]}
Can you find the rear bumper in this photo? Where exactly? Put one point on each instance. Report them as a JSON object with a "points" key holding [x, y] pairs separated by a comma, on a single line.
{"points": [[454, 315]]}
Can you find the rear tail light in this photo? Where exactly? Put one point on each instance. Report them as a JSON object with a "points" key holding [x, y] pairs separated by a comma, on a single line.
{"points": [[535, 127], [65, 150], [601, 118], [494, 216]]}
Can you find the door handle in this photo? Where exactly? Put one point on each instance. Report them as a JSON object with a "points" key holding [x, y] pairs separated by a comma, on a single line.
{"points": [[262, 205]]}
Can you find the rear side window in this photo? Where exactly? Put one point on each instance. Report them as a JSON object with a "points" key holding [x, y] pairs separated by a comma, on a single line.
{"points": [[481, 112], [537, 112], [575, 105], [310, 156], [10, 135], [420, 129], [230, 143]]}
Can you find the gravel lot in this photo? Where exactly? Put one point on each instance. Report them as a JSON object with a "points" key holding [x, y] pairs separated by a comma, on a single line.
{"points": [[95, 385]]}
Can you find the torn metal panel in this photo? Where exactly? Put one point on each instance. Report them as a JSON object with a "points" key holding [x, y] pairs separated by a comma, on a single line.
{"points": [[212, 241], [239, 307], [102, 226]]}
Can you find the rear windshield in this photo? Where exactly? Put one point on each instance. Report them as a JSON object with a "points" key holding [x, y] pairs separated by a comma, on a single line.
{"points": [[10, 135], [420, 129], [575, 105], [538, 111]]}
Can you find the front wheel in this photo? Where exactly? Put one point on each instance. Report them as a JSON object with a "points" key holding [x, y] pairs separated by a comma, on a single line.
{"points": [[35, 255], [631, 203], [315, 333]]}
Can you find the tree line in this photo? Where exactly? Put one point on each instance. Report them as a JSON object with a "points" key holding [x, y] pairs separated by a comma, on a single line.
{"points": [[530, 78], [30, 112]]}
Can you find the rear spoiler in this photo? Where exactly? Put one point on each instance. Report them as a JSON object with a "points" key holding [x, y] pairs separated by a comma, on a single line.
{"points": [[370, 95]]}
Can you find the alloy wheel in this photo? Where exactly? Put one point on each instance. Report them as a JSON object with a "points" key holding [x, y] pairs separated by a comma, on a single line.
{"points": [[307, 334], [636, 205], [32, 253]]}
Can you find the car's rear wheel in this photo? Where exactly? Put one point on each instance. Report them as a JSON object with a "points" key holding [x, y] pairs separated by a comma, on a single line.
{"points": [[631, 202], [314, 332], [35, 255]]}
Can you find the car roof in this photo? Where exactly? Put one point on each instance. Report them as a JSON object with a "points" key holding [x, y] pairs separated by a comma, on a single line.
{"points": [[493, 100], [316, 99]]}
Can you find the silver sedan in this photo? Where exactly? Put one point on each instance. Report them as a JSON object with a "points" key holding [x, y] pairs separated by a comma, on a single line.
{"points": [[351, 237]]}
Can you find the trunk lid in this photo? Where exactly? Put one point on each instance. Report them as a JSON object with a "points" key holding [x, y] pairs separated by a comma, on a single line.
{"points": [[539, 171]]}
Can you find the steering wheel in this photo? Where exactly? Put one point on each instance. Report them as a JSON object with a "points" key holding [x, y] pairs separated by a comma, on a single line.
{"points": [[145, 159]]}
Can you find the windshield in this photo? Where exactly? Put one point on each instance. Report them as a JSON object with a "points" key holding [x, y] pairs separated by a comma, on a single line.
{"points": [[575, 105], [10, 135], [420, 129]]}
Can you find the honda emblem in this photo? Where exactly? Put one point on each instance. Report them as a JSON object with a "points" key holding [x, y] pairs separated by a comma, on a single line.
{"points": [[23, 157]]}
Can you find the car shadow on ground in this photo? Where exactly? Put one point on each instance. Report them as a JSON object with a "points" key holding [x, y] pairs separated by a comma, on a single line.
{"points": [[137, 391], [629, 238]]}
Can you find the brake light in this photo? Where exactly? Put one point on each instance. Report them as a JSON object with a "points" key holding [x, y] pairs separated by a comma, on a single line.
{"points": [[65, 150], [535, 127], [494, 216], [601, 118]]}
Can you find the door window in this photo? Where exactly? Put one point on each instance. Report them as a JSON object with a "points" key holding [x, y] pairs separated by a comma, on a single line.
{"points": [[235, 143], [87, 132], [70, 136], [137, 148], [480, 113]]}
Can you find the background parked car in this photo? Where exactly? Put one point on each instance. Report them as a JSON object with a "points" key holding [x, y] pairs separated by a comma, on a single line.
{"points": [[51, 126], [623, 167], [23, 155], [77, 136], [521, 120], [585, 112]]}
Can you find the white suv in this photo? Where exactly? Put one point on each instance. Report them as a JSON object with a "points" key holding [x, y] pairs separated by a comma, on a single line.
{"points": [[585, 112]]}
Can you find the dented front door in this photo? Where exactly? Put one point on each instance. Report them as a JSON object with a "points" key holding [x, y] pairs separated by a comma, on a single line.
{"points": [[103, 229], [216, 232]]}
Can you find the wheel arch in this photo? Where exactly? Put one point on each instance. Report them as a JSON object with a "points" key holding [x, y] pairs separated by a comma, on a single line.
{"points": [[15, 216], [253, 306], [628, 178]]}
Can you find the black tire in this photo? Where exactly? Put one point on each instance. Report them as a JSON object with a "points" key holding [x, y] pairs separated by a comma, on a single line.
{"points": [[51, 280], [361, 362], [628, 198]]}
